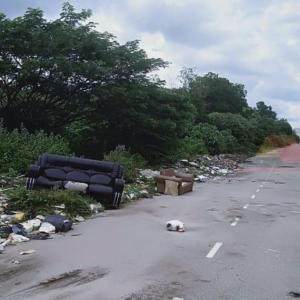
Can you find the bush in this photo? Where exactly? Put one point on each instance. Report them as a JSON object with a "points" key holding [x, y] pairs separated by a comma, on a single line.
{"points": [[130, 162], [19, 148], [231, 143], [237, 125], [189, 147], [43, 202], [210, 136]]}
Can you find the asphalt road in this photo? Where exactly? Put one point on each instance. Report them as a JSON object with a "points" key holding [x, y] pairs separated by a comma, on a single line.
{"points": [[242, 243]]}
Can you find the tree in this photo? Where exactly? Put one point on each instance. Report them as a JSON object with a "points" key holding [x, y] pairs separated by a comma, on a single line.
{"points": [[55, 72], [265, 111], [212, 93]]}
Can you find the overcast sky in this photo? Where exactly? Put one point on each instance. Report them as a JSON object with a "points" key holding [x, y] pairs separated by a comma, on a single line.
{"points": [[252, 42]]}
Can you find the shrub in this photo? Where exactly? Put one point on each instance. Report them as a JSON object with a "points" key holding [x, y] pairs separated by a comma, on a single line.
{"points": [[130, 162], [237, 125], [19, 148], [231, 143], [189, 147], [210, 136], [43, 202]]}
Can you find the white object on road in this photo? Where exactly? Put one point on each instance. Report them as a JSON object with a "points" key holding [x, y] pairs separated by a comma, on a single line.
{"points": [[234, 223], [214, 250], [27, 252], [4, 244], [175, 225], [80, 219], [47, 227], [19, 238], [246, 206], [253, 196]]}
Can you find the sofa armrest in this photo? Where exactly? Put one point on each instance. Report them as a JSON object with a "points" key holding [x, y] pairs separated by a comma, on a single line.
{"points": [[119, 185], [184, 176], [34, 171], [162, 179]]}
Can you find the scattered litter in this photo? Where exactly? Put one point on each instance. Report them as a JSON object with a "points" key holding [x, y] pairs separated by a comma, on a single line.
{"points": [[31, 225], [19, 229], [95, 208], [47, 227], [76, 234], [145, 194], [39, 217], [80, 219], [295, 295], [19, 216], [40, 236], [61, 223], [60, 206], [27, 252], [16, 262], [4, 244], [16, 238], [202, 178], [148, 173], [175, 225]]}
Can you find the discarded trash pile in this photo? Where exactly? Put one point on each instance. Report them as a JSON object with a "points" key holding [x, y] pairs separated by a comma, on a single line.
{"points": [[13, 230], [205, 167]]}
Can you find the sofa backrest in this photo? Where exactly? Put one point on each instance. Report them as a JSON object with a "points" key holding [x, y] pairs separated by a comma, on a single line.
{"points": [[168, 172], [88, 166]]}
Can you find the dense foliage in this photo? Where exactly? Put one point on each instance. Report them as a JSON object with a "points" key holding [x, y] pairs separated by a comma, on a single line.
{"points": [[19, 148], [46, 202], [63, 76]]}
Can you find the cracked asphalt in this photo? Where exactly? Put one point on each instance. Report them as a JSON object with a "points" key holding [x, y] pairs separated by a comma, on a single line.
{"points": [[241, 242]]}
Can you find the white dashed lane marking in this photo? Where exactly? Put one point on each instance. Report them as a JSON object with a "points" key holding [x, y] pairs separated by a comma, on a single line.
{"points": [[234, 223], [257, 191], [214, 250], [246, 206], [253, 196]]}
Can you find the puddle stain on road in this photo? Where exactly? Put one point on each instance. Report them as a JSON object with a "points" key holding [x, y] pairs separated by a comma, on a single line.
{"points": [[294, 295], [76, 277]]}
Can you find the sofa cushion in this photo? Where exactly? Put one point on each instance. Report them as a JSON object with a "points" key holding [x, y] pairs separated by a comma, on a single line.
{"points": [[105, 192], [101, 179], [79, 176], [46, 183], [53, 173]]}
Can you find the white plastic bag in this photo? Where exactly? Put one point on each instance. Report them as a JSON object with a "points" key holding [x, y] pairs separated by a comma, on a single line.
{"points": [[47, 227], [175, 225], [76, 186], [31, 225], [16, 238]]}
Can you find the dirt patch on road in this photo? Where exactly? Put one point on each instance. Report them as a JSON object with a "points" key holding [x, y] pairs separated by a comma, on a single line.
{"points": [[160, 291], [74, 278]]}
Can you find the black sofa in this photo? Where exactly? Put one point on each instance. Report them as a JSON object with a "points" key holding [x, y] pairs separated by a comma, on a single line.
{"points": [[104, 179]]}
